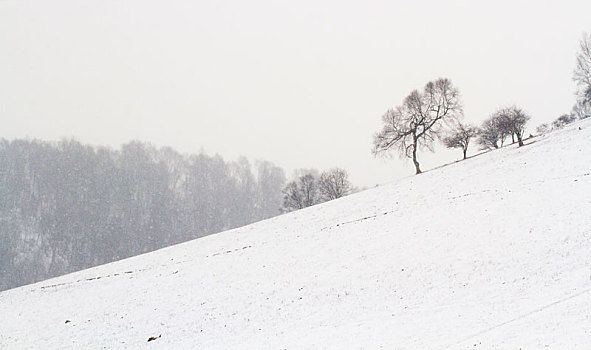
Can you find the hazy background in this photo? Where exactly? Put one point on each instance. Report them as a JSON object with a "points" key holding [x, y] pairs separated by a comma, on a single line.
{"points": [[298, 83]]}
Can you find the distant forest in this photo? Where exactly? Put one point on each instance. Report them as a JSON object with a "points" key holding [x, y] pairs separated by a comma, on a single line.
{"points": [[65, 206]]}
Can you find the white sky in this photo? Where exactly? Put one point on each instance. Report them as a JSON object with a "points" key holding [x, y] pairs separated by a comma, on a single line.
{"points": [[299, 83]]}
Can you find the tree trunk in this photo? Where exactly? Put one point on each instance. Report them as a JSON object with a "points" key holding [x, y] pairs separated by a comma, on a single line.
{"points": [[414, 157], [520, 140], [465, 151]]}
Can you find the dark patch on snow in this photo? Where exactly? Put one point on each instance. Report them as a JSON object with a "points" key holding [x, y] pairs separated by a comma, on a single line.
{"points": [[154, 338]]}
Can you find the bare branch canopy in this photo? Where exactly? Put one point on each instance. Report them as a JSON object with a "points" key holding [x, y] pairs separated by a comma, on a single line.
{"points": [[418, 121]]}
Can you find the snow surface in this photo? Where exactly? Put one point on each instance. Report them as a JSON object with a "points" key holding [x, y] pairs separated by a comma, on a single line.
{"points": [[491, 252]]}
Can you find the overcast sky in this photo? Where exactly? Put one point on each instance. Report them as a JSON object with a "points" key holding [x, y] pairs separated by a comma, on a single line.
{"points": [[299, 83]]}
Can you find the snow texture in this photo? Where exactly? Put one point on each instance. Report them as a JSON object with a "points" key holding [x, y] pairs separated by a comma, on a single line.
{"points": [[491, 252]]}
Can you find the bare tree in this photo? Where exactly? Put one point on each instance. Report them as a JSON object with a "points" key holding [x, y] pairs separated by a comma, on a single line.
{"points": [[504, 122], [563, 120], [582, 109], [66, 206], [270, 179], [543, 128], [582, 73], [460, 137], [490, 135], [300, 193], [417, 122], [512, 121], [334, 184]]}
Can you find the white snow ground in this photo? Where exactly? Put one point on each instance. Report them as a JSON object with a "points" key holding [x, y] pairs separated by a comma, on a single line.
{"points": [[491, 252]]}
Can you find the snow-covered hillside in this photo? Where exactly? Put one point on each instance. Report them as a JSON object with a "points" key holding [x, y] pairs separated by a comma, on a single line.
{"points": [[491, 252]]}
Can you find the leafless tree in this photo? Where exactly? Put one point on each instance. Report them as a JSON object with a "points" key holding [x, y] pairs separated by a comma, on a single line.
{"points": [[490, 134], [512, 121], [543, 128], [564, 120], [582, 109], [271, 180], [460, 137], [66, 206], [300, 193], [504, 122], [334, 184], [417, 122], [582, 73]]}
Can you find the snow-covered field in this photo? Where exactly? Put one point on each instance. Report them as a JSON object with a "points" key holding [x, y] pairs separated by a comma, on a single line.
{"points": [[491, 252]]}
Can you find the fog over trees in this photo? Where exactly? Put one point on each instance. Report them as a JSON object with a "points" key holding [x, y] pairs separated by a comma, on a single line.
{"points": [[66, 206]]}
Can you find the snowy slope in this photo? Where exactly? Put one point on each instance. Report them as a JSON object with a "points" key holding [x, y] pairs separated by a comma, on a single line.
{"points": [[491, 252]]}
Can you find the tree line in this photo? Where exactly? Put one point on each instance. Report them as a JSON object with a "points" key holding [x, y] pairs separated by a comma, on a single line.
{"points": [[309, 188], [66, 206], [436, 113]]}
